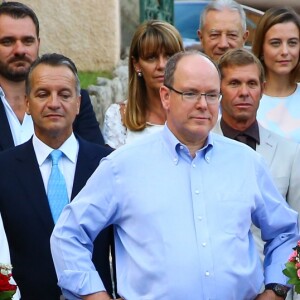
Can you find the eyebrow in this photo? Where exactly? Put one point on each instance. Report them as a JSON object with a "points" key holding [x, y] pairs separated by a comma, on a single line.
{"points": [[219, 30]]}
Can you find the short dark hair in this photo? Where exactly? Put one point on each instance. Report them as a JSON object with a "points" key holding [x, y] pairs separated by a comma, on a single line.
{"points": [[19, 10], [55, 60]]}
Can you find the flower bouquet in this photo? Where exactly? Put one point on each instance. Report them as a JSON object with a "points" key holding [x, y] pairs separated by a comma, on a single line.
{"points": [[7, 290], [292, 270]]}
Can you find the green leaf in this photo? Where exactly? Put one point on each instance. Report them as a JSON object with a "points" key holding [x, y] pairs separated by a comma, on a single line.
{"points": [[297, 288], [290, 273], [294, 281], [7, 295]]}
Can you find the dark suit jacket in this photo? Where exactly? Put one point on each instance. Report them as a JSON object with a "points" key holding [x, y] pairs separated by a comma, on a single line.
{"points": [[85, 124], [28, 222]]}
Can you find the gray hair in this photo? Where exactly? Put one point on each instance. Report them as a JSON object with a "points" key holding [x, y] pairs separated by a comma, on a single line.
{"points": [[173, 61], [55, 60], [220, 5]]}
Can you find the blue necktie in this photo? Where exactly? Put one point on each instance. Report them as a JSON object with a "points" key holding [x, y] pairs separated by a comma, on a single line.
{"points": [[57, 190]]}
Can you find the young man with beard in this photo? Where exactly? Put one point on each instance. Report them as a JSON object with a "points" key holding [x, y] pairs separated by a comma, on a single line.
{"points": [[19, 47]]}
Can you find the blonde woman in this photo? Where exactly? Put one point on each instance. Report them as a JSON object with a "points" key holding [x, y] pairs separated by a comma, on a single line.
{"points": [[152, 44]]}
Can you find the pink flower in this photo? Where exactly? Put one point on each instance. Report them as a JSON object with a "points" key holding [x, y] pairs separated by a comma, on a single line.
{"points": [[297, 265], [298, 244], [293, 256], [298, 273]]}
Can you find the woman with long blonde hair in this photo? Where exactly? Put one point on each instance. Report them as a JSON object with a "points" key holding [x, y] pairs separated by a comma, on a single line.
{"points": [[153, 43]]}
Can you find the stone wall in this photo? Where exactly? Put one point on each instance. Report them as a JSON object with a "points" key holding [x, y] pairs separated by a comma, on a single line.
{"points": [[86, 31], [108, 91]]}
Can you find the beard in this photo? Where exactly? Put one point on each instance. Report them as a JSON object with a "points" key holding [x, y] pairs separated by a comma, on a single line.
{"points": [[13, 73]]}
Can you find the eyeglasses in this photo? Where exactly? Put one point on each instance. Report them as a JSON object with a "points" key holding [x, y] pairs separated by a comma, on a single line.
{"points": [[211, 98]]}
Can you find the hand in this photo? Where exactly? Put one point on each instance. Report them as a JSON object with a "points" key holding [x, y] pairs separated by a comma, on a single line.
{"points": [[97, 296], [268, 295]]}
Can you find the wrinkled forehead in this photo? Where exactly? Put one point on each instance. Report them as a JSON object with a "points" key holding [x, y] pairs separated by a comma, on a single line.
{"points": [[226, 20]]}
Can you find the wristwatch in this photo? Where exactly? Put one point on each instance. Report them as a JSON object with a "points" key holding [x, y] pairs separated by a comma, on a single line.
{"points": [[279, 289]]}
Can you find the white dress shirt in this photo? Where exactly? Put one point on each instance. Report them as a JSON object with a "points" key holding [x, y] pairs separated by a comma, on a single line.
{"points": [[21, 132]]}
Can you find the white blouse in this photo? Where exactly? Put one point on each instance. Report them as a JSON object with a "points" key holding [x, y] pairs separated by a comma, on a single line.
{"points": [[115, 134]]}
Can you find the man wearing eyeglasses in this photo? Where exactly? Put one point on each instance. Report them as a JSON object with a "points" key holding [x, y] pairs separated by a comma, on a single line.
{"points": [[29, 204], [182, 201]]}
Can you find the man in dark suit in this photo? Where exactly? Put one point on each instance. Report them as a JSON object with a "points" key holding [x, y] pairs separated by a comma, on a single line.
{"points": [[53, 101], [19, 47]]}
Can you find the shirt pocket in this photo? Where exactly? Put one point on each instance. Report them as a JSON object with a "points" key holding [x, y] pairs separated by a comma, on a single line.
{"points": [[234, 217]]}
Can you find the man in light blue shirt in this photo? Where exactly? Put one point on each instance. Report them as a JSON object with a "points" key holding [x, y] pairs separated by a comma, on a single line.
{"points": [[182, 201]]}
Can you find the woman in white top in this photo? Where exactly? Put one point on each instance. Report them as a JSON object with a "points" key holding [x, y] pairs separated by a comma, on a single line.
{"points": [[152, 44], [277, 45]]}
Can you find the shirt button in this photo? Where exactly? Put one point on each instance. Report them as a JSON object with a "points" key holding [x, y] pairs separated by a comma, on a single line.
{"points": [[207, 274], [199, 218], [181, 147], [175, 160], [204, 244], [197, 192], [207, 159], [194, 166]]}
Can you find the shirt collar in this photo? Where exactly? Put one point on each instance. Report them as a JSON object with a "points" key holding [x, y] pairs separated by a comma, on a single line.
{"points": [[175, 146], [70, 149], [2, 94], [232, 133]]}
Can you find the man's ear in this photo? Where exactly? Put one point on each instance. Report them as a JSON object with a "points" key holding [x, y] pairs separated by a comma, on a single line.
{"points": [[78, 104], [199, 35], [165, 97], [245, 36]]}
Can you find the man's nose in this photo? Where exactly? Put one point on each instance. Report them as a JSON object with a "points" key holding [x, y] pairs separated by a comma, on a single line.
{"points": [[19, 47], [53, 100], [223, 41], [244, 90]]}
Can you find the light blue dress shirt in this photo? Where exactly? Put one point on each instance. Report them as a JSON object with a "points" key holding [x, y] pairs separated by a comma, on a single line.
{"points": [[67, 163], [182, 224]]}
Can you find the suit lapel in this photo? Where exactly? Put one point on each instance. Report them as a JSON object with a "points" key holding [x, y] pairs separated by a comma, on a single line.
{"points": [[30, 177], [6, 138], [86, 165], [267, 145]]}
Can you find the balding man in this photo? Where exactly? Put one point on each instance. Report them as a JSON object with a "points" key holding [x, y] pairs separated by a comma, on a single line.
{"points": [[182, 205]]}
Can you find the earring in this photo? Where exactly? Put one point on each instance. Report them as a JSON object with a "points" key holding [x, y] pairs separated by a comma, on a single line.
{"points": [[139, 74]]}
